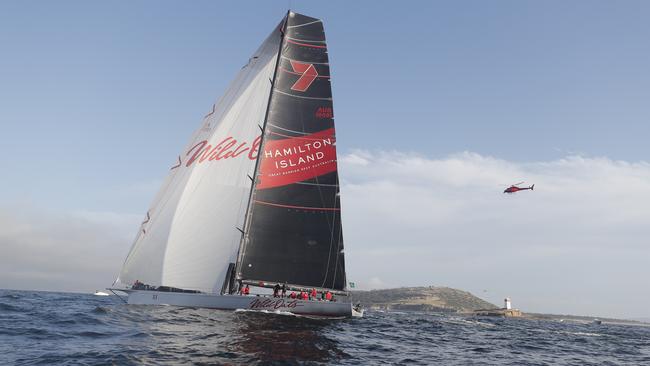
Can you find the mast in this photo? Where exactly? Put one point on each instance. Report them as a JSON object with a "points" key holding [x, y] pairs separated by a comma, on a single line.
{"points": [[244, 231]]}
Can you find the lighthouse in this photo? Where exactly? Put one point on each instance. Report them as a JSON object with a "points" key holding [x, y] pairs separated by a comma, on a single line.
{"points": [[506, 311]]}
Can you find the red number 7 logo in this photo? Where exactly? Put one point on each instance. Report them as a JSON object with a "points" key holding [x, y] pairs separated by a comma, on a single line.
{"points": [[307, 73]]}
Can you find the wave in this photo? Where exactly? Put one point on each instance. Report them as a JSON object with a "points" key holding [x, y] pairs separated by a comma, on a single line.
{"points": [[93, 334], [454, 320], [9, 307], [586, 334], [99, 310], [91, 330], [275, 312]]}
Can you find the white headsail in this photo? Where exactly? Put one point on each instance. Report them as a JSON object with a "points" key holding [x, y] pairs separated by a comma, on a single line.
{"points": [[190, 234]]}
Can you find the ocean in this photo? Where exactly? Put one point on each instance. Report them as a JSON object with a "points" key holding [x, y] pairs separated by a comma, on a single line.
{"points": [[47, 328]]}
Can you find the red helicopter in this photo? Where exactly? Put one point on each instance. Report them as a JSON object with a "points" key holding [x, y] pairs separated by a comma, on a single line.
{"points": [[513, 188]]}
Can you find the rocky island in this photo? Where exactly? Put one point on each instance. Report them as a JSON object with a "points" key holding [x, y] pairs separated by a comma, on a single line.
{"points": [[450, 300], [430, 298]]}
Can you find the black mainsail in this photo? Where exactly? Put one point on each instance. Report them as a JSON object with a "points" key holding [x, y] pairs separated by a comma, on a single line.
{"points": [[293, 229]]}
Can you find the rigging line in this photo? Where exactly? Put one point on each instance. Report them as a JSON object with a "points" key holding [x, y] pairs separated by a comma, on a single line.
{"points": [[304, 40], [338, 251], [306, 44], [340, 228], [297, 96], [303, 61], [318, 184], [329, 252], [338, 247], [330, 225], [286, 129], [304, 24], [298, 207], [337, 202], [298, 73]]}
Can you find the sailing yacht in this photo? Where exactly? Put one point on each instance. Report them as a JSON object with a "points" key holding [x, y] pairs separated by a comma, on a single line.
{"points": [[253, 199]]}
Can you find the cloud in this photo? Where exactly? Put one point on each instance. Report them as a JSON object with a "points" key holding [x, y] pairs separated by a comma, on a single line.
{"points": [[79, 251], [577, 243]]}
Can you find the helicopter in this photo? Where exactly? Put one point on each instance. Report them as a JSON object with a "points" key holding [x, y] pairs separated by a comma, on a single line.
{"points": [[514, 188]]}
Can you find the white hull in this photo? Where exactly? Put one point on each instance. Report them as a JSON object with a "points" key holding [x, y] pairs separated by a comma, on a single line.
{"points": [[234, 302]]}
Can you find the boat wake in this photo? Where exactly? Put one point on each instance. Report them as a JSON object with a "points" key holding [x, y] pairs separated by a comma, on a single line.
{"points": [[276, 312], [455, 320], [584, 334]]}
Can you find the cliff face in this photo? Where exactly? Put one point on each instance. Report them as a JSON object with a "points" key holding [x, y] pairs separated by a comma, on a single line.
{"points": [[438, 299]]}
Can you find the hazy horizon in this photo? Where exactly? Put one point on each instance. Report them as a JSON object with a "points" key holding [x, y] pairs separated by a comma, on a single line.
{"points": [[439, 107]]}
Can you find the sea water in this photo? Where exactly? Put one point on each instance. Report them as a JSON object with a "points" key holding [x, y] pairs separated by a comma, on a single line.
{"points": [[47, 328]]}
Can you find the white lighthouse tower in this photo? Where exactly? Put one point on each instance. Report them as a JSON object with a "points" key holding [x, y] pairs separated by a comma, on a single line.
{"points": [[508, 304]]}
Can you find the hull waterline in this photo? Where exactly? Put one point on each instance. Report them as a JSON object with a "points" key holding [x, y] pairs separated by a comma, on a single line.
{"points": [[235, 302]]}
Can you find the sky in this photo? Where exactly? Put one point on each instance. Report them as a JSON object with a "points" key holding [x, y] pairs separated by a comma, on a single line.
{"points": [[439, 107]]}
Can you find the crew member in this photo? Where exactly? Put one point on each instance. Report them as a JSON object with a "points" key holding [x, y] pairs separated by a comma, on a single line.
{"points": [[328, 296], [284, 289], [313, 294], [276, 290]]}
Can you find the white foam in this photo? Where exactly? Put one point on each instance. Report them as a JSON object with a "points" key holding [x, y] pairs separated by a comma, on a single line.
{"points": [[277, 312], [584, 334]]}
